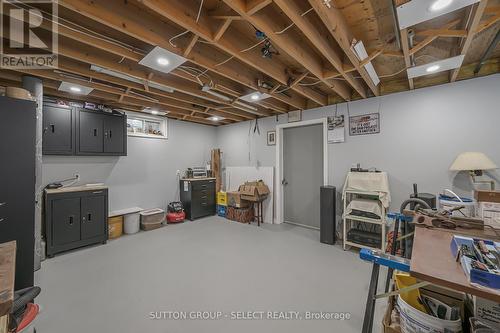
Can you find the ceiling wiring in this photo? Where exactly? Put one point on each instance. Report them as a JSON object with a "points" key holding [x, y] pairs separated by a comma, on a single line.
{"points": [[83, 30], [291, 25], [170, 41]]}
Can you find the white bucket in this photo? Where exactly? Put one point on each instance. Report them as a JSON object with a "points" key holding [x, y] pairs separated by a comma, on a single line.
{"points": [[131, 223], [415, 321]]}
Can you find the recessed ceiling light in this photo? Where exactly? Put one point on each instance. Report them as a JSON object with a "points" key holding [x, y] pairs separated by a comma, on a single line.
{"points": [[255, 97], [162, 61], [215, 118], [432, 68], [75, 89], [440, 4]]}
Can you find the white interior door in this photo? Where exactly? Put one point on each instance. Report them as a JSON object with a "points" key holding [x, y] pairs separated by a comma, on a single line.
{"points": [[302, 174]]}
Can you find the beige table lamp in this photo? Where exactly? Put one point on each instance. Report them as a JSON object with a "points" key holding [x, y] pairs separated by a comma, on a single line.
{"points": [[475, 163]]}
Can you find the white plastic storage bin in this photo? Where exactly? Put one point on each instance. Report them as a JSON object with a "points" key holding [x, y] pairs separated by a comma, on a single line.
{"points": [[152, 218], [131, 223]]}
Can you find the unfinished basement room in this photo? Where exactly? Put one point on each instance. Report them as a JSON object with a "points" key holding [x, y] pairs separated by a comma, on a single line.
{"points": [[220, 166]]}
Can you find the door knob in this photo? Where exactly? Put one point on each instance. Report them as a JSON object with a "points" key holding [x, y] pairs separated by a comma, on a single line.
{"points": [[284, 182], [2, 219], [2, 204]]}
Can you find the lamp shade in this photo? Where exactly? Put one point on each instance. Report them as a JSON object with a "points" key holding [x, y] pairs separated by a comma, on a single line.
{"points": [[472, 161]]}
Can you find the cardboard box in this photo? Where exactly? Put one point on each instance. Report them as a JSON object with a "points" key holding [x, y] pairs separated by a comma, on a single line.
{"points": [[234, 199], [487, 311], [487, 196], [254, 191]]}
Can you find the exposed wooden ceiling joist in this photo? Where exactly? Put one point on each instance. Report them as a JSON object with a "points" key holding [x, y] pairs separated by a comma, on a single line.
{"points": [[145, 27], [471, 31], [291, 9], [300, 53], [232, 43], [406, 52], [51, 88], [339, 29]]}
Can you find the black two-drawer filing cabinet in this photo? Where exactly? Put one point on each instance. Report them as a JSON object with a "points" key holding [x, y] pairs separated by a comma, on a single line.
{"points": [[198, 197], [75, 217]]}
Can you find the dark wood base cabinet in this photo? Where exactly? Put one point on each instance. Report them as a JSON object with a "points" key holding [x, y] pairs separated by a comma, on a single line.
{"points": [[75, 218], [198, 197]]}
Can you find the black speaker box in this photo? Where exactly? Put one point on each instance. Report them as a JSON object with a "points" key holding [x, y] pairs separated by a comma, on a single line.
{"points": [[328, 214]]}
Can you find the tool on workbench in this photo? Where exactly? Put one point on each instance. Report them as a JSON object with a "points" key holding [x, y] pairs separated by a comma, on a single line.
{"points": [[399, 219]]}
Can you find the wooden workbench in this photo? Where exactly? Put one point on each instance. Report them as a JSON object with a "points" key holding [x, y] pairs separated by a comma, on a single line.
{"points": [[432, 261], [7, 277]]}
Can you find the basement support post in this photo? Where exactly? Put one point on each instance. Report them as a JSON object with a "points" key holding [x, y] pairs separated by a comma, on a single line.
{"points": [[35, 87]]}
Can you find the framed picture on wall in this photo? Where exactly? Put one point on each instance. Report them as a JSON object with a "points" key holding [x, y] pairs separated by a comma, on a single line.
{"points": [[294, 116], [271, 138]]}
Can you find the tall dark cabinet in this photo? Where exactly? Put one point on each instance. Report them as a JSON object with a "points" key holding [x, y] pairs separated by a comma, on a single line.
{"points": [[17, 183]]}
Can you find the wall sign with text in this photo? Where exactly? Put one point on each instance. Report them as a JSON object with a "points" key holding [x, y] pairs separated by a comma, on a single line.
{"points": [[364, 124]]}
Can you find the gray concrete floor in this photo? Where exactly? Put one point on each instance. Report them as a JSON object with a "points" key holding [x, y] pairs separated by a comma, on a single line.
{"points": [[207, 265]]}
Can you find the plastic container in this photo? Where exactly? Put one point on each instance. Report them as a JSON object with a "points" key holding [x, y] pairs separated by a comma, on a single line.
{"points": [[115, 227], [131, 223], [222, 198], [449, 202], [415, 321], [221, 210], [152, 218]]}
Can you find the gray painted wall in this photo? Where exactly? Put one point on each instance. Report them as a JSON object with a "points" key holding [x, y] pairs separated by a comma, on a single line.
{"points": [[422, 132], [147, 176]]}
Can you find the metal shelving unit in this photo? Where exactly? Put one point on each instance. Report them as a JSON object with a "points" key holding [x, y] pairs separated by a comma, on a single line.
{"points": [[347, 219]]}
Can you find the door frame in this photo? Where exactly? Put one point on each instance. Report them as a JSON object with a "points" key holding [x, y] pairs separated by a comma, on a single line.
{"points": [[280, 204]]}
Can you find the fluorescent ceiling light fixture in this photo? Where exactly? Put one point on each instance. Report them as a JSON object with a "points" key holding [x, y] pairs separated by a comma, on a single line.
{"points": [[130, 78], [162, 60], [251, 107], [432, 68], [155, 112], [206, 88], [254, 97], [161, 87], [417, 11], [435, 67], [360, 51], [216, 118], [439, 5], [74, 88], [115, 74]]}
